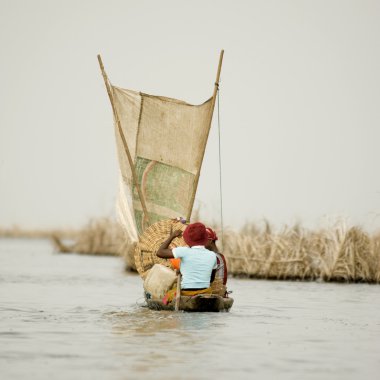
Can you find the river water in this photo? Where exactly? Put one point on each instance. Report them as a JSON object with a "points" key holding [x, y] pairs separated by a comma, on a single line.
{"points": [[80, 317]]}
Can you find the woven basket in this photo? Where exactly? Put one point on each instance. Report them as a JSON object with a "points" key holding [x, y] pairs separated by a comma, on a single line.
{"points": [[150, 241]]}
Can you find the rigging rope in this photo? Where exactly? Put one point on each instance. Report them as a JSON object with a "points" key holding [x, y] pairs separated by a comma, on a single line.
{"points": [[220, 173]]}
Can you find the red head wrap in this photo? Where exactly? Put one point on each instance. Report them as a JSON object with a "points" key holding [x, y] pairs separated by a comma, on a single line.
{"points": [[211, 234], [195, 234]]}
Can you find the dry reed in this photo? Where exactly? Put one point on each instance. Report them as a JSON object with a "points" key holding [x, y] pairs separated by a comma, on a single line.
{"points": [[23, 233], [99, 237], [337, 253], [102, 236]]}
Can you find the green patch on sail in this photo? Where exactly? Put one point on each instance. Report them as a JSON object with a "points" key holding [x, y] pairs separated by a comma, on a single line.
{"points": [[166, 190]]}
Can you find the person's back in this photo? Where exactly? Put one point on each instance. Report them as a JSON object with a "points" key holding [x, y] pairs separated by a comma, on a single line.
{"points": [[197, 264]]}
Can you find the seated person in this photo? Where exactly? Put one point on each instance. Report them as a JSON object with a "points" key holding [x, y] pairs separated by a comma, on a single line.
{"points": [[221, 270], [198, 264]]}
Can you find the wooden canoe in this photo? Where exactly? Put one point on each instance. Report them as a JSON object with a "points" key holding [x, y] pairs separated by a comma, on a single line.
{"points": [[198, 303]]}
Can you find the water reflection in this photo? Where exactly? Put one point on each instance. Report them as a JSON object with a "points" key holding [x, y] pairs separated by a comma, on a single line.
{"points": [[142, 321]]}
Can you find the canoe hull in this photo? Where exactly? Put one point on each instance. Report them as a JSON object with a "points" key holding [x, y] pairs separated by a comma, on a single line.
{"points": [[198, 303]]}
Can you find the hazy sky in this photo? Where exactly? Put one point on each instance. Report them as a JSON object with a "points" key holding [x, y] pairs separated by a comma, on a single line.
{"points": [[300, 104]]}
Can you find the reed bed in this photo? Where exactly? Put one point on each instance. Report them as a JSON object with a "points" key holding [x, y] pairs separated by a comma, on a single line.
{"points": [[102, 236], [99, 237], [339, 253], [23, 233], [336, 253]]}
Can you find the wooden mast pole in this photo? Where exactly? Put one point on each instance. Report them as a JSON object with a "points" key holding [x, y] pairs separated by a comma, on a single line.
{"points": [[178, 292], [131, 164], [196, 180]]}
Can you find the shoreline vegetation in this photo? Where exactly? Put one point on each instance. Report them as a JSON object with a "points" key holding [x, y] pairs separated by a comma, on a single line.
{"points": [[337, 253]]}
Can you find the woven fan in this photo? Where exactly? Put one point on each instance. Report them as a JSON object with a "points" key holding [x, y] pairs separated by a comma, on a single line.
{"points": [[150, 241]]}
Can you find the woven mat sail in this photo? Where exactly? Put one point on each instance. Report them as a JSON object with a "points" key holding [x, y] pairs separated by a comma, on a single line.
{"points": [[166, 139], [150, 241]]}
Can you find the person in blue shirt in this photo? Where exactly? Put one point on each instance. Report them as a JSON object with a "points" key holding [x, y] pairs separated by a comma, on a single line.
{"points": [[198, 264]]}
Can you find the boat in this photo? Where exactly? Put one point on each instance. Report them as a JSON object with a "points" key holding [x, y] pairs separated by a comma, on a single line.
{"points": [[145, 258], [160, 143], [199, 303]]}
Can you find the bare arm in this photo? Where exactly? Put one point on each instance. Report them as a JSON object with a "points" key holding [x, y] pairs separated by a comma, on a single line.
{"points": [[164, 251]]}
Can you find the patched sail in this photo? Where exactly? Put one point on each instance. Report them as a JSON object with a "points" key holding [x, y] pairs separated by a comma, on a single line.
{"points": [[166, 139], [160, 144]]}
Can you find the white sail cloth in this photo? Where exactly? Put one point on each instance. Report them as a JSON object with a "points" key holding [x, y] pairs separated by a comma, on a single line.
{"points": [[166, 139]]}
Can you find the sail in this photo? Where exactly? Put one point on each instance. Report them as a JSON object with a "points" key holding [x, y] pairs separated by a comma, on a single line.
{"points": [[166, 140]]}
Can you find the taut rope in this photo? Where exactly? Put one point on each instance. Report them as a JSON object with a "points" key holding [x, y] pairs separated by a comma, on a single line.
{"points": [[220, 173]]}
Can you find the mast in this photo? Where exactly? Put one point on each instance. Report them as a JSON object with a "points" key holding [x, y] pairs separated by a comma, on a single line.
{"points": [[196, 179], [125, 145]]}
